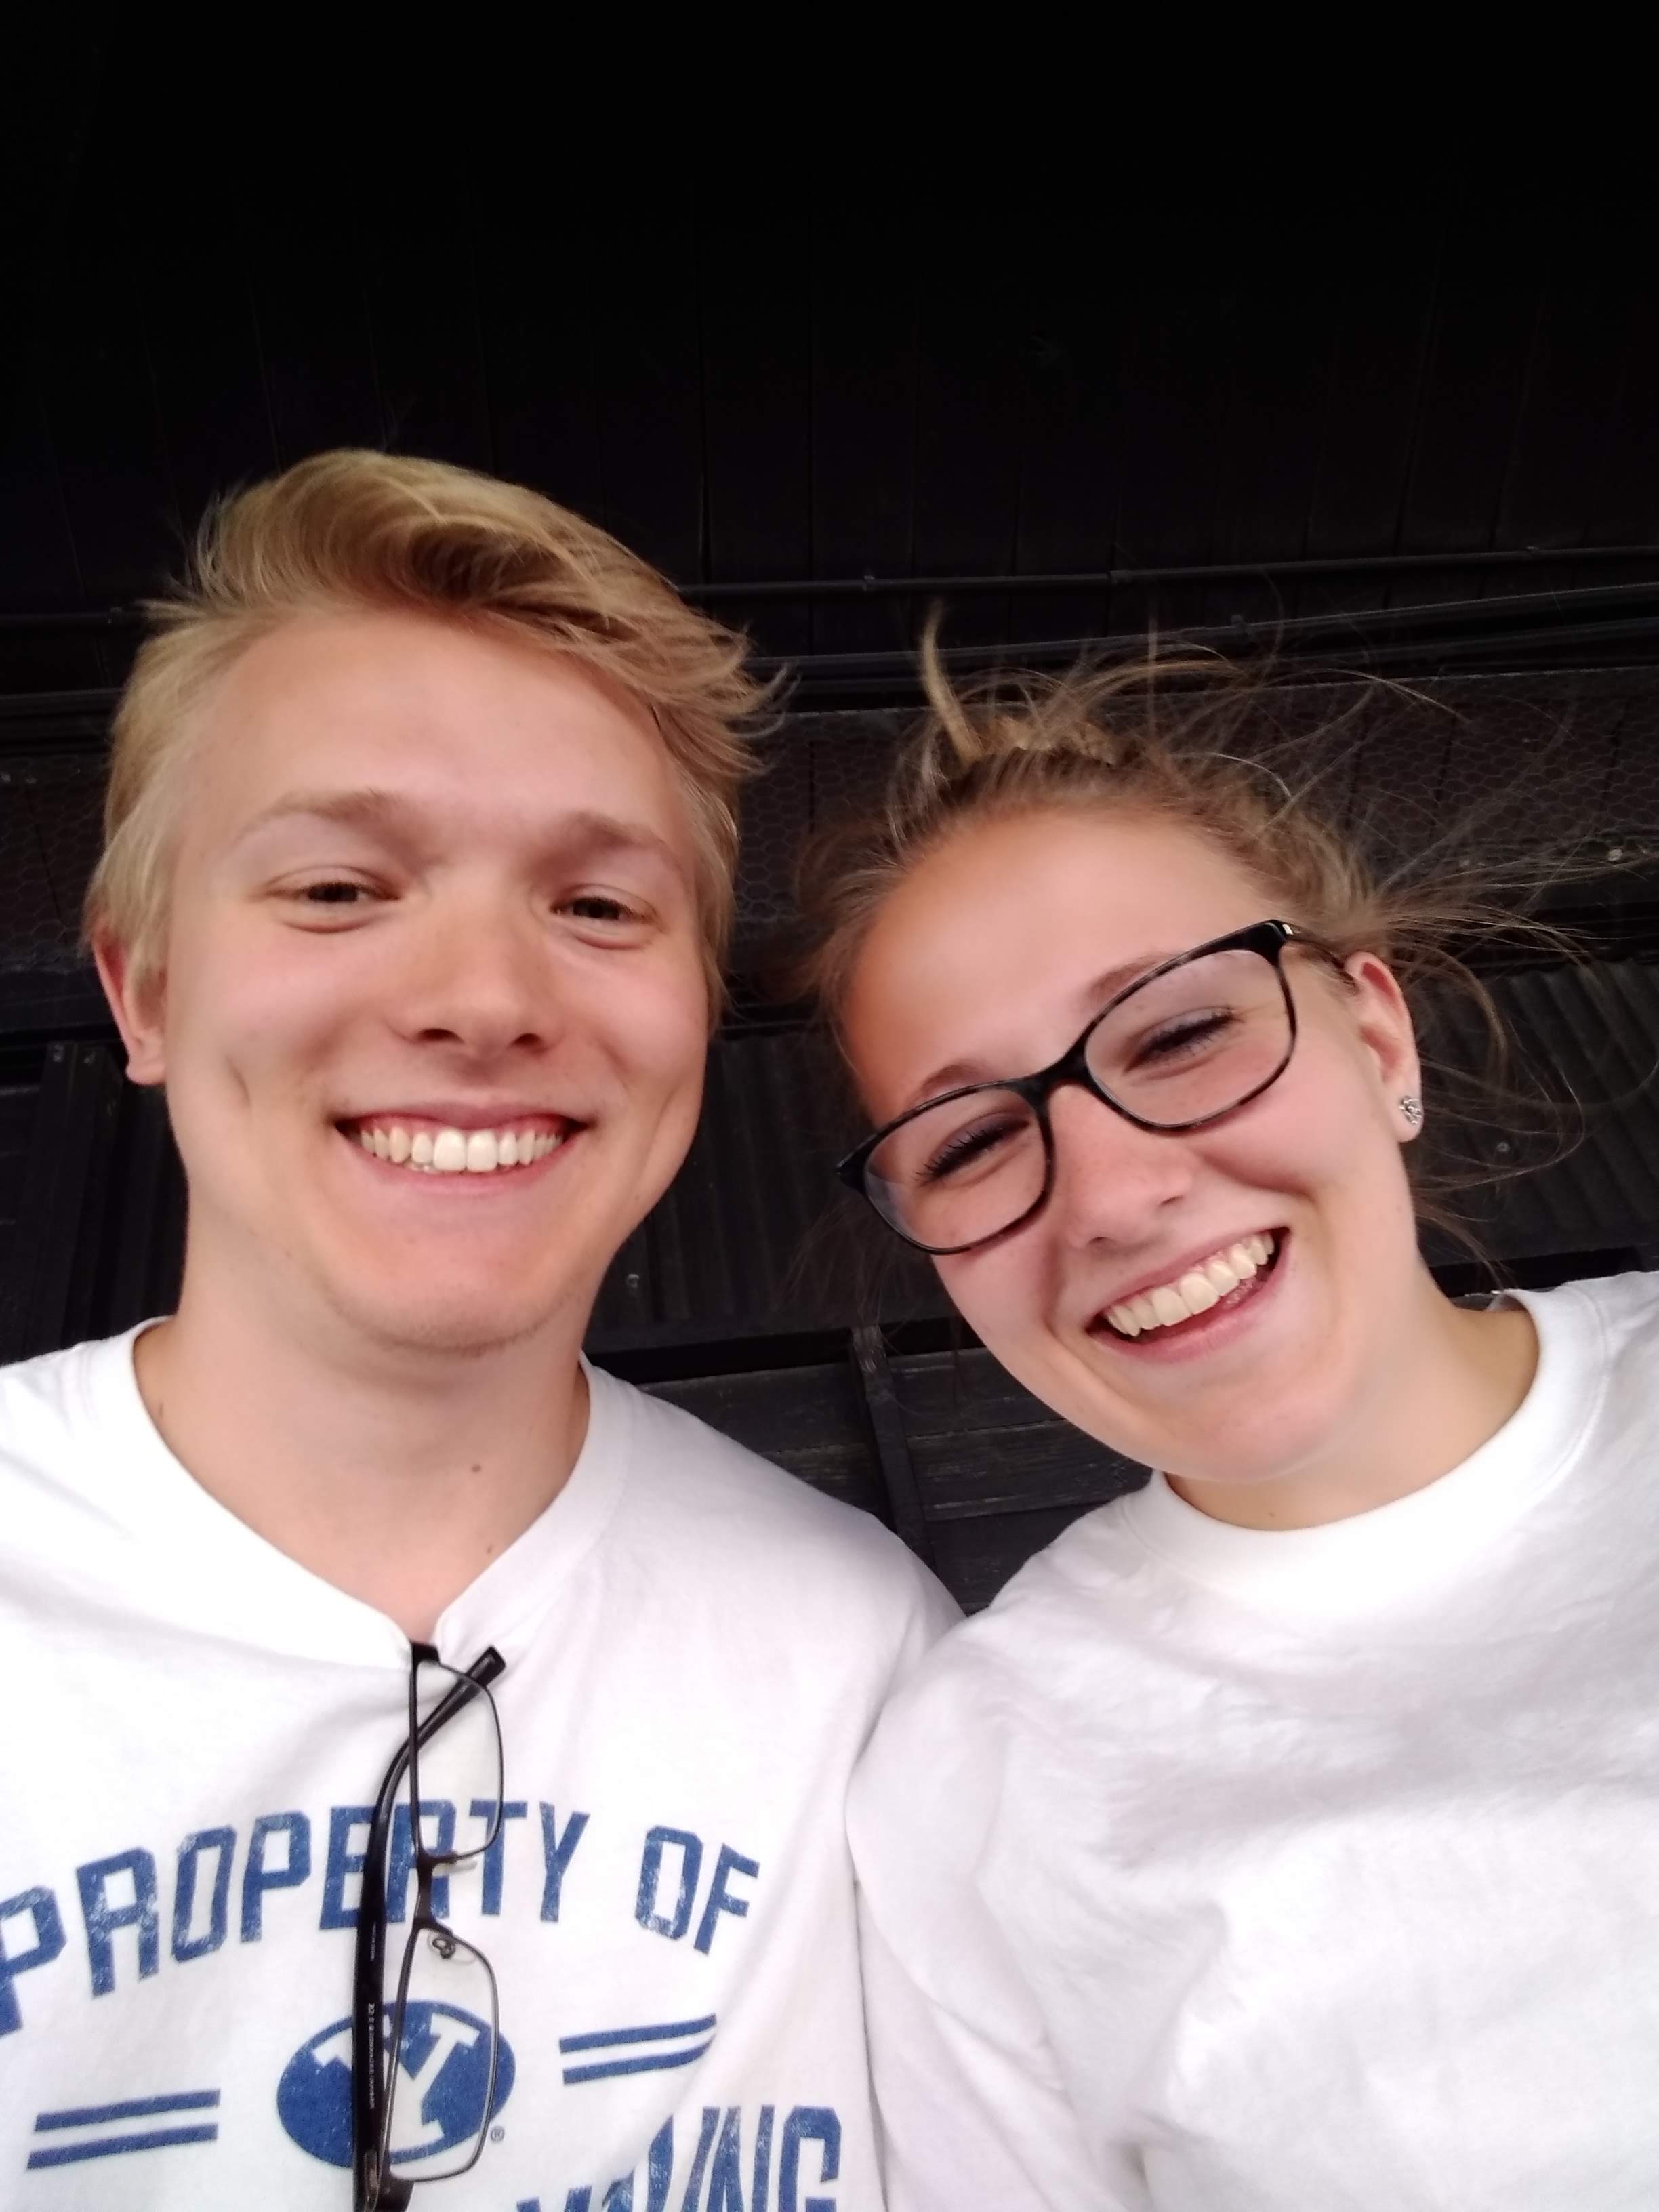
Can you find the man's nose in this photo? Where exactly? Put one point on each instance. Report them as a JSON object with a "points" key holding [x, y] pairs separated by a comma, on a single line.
{"points": [[478, 974], [1112, 1180]]}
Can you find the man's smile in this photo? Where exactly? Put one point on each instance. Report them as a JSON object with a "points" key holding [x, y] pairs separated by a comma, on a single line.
{"points": [[431, 1145]]}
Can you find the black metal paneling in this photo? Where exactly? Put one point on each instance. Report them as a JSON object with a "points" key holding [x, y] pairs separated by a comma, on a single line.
{"points": [[1588, 1048], [1496, 766], [809, 1419], [49, 1296], [754, 1238], [1505, 763], [51, 828], [20, 1089], [999, 1475], [757, 1293], [855, 392]]}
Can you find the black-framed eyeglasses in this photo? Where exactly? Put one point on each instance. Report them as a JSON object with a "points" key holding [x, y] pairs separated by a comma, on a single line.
{"points": [[438, 2017], [1194, 1038]]}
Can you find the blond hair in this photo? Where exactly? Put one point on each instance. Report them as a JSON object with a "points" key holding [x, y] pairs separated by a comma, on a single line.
{"points": [[1181, 740], [367, 532]]}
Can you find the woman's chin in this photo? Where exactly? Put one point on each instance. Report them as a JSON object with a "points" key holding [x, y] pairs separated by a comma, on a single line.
{"points": [[1259, 1430]]}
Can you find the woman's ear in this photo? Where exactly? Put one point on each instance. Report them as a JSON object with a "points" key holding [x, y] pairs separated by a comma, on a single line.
{"points": [[1386, 1030], [136, 998]]}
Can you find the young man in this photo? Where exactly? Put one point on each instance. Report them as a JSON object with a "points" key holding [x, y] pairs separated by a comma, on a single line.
{"points": [[418, 867]]}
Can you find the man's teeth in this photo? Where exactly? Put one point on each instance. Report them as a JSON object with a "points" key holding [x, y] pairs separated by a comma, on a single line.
{"points": [[1194, 1292], [457, 1151]]}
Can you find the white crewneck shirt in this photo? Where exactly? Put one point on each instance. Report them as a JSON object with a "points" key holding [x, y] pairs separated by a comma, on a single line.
{"points": [[1216, 1870], [192, 1730]]}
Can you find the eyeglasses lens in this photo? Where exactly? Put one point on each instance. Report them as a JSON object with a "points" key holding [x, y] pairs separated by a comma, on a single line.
{"points": [[1184, 1046], [441, 2007], [964, 1170], [1192, 1042]]}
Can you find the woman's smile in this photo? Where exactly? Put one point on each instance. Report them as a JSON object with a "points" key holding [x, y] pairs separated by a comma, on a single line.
{"points": [[1190, 1305]]}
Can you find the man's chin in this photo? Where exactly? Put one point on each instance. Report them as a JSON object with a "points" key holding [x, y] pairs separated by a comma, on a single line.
{"points": [[447, 1326]]}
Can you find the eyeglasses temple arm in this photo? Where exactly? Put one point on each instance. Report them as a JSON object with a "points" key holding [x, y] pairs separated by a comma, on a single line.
{"points": [[367, 1957]]}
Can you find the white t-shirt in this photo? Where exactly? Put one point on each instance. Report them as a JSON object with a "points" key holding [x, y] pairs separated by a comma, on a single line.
{"points": [[1312, 1871], [192, 1727]]}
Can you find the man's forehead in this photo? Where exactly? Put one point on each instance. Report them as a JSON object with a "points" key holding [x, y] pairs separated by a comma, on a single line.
{"points": [[390, 671], [395, 726], [403, 817]]}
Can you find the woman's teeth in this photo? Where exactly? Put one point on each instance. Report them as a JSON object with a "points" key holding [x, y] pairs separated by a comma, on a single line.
{"points": [[1194, 1292], [456, 1151]]}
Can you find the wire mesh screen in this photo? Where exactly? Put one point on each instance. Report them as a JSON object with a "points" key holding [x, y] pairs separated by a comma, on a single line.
{"points": [[51, 825], [1490, 768], [814, 768], [1498, 765]]}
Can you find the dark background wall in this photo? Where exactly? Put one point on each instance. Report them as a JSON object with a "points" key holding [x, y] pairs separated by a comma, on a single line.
{"points": [[1423, 448]]}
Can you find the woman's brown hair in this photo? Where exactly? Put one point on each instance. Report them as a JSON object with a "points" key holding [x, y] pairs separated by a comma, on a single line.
{"points": [[1195, 740]]}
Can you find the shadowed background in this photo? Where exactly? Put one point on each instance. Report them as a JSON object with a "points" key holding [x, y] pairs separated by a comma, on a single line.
{"points": [[1428, 450]]}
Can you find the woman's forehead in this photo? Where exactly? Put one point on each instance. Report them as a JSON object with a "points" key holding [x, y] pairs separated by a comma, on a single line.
{"points": [[1138, 885], [1013, 929]]}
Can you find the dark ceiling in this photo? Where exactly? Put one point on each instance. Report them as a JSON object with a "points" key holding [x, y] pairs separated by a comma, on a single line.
{"points": [[1423, 440]]}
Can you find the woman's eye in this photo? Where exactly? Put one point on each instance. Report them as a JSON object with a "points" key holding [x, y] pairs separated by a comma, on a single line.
{"points": [[1179, 1039], [966, 1147]]}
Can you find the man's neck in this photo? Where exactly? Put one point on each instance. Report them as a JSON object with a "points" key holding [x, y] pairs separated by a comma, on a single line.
{"points": [[396, 1474]]}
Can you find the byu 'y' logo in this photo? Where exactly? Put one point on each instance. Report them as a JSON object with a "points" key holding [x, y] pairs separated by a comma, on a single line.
{"points": [[444, 2072]]}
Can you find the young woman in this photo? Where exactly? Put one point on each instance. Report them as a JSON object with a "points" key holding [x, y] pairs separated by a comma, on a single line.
{"points": [[1287, 1834]]}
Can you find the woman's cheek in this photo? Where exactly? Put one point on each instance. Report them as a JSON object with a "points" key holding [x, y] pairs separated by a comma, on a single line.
{"points": [[998, 1294]]}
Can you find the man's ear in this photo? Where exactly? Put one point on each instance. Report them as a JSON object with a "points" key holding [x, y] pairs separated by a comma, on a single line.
{"points": [[1385, 1027], [136, 998]]}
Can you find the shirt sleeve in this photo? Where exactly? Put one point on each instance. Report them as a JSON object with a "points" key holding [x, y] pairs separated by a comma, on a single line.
{"points": [[975, 2109], [928, 1612], [969, 2123]]}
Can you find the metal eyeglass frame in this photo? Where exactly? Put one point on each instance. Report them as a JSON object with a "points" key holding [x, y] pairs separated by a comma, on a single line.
{"points": [[372, 2061], [1268, 938]]}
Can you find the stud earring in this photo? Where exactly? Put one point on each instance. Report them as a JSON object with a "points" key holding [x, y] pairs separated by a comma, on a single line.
{"points": [[1411, 1109]]}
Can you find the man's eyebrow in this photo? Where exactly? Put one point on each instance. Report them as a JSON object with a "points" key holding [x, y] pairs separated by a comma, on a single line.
{"points": [[610, 833], [382, 813], [1095, 994]]}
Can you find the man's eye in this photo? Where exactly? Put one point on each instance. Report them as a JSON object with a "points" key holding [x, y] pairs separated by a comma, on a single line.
{"points": [[334, 891], [599, 906]]}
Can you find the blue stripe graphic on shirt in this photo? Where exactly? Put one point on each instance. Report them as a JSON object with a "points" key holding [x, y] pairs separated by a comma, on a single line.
{"points": [[118, 2146], [112, 2145], [669, 2033], [133, 2108]]}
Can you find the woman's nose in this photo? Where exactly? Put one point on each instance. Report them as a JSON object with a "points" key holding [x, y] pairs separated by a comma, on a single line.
{"points": [[1112, 1180]]}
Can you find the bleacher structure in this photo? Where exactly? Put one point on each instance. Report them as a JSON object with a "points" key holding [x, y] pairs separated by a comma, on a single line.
{"points": [[753, 1294]]}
